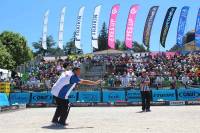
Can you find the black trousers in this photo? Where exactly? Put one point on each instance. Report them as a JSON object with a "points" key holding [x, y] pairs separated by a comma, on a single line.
{"points": [[146, 98], [62, 110]]}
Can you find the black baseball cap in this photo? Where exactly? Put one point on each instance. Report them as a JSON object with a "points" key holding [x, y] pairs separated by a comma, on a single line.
{"points": [[75, 68]]}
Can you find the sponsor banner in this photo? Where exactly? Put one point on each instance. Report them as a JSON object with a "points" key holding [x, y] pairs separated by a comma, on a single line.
{"points": [[91, 96], [133, 96], [103, 104], [134, 103], [189, 94], [163, 95], [193, 102], [148, 25], [9, 108], [41, 98], [94, 30], [112, 26], [4, 100], [176, 103], [19, 98], [159, 103], [120, 103], [78, 104], [166, 25], [79, 28], [61, 28], [45, 28], [181, 25], [130, 25], [197, 30], [113, 96], [72, 97]]}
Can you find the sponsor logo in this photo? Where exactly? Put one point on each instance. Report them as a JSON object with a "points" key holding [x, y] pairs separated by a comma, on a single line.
{"points": [[94, 24], [114, 11], [164, 95], [189, 94], [90, 97], [193, 102], [78, 26], [133, 11], [176, 103], [37, 98]]}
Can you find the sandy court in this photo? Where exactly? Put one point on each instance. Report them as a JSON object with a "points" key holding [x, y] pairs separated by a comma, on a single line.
{"points": [[162, 119]]}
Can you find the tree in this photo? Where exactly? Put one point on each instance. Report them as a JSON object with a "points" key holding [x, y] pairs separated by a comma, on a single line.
{"points": [[103, 38], [70, 47], [189, 37], [176, 48], [16, 46], [6, 61], [120, 45], [39, 49], [138, 47]]}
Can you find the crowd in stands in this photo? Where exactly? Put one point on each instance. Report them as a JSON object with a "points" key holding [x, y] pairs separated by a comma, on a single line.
{"points": [[121, 71], [163, 71]]}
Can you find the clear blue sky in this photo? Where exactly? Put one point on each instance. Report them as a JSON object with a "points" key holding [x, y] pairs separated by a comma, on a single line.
{"points": [[26, 17]]}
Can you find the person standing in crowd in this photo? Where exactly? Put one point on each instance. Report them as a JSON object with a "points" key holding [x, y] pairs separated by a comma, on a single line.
{"points": [[61, 90], [159, 81], [185, 80], [145, 92], [124, 80]]}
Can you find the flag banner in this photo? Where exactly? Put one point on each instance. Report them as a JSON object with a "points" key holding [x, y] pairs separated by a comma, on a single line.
{"points": [[61, 28], [78, 28], [181, 25], [112, 26], [94, 30], [166, 25], [130, 25], [45, 28], [148, 25], [197, 30]]}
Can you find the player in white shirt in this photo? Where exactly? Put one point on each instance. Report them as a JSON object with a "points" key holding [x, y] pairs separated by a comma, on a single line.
{"points": [[61, 90]]}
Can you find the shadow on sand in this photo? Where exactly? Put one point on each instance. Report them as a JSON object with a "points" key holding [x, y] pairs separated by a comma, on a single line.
{"points": [[57, 127]]}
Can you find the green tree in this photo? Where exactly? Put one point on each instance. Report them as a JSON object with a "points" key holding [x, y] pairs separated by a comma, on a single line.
{"points": [[138, 47], [70, 47], [120, 45], [189, 37], [16, 46], [57, 52], [6, 60], [103, 38], [50, 44]]}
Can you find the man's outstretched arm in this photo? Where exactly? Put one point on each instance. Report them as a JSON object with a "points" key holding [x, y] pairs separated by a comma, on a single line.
{"points": [[89, 82]]}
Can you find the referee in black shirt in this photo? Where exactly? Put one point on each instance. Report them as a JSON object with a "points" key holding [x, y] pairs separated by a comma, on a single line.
{"points": [[145, 92]]}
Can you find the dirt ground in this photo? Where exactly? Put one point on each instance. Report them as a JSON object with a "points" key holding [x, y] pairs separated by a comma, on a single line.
{"points": [[162, 119]]}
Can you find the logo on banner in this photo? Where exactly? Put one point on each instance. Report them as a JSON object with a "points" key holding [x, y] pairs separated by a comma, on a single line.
{"points": [[133, 11], [114, 11], [94, 24], [164, 95], [177, 103], [133, 96], [38, 98], [113, 96], [93, 96], [41, 98]]}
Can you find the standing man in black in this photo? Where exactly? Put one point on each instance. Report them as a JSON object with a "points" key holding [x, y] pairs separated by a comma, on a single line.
{"points": [[145, 92]]}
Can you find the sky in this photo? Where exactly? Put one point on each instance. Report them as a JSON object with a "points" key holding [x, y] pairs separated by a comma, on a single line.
{"points": [[26, 18]]}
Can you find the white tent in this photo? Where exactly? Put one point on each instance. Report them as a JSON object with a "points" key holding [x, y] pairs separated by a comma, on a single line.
{"points": [[5, 74]]}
